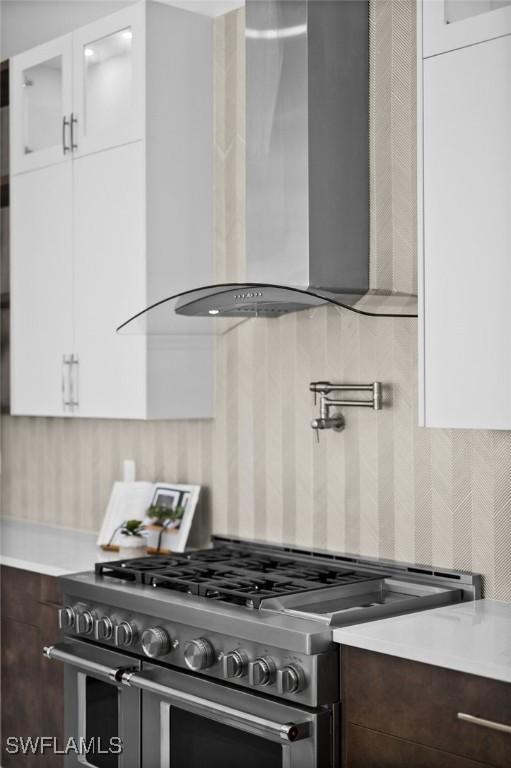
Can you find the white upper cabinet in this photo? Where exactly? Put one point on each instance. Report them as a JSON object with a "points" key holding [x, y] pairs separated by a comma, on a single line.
{"points": [[41, 105], [108, 78], [451, 24], [122, 219], [41, 292], [465, 237]]}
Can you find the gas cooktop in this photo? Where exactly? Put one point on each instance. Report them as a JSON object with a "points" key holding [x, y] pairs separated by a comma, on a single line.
{"points": [[234, 575]]}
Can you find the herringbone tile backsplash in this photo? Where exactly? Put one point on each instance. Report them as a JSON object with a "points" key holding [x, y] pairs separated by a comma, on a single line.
{"points": [[383, 487]]}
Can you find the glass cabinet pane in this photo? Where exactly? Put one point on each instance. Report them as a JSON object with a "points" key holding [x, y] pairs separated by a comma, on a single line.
{"points": [[458, 10], [101, 722], [42, 105], [108, 83]]}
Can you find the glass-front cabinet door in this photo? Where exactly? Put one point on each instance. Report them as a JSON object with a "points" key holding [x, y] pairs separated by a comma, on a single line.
{"points": [[108, 75], [451, 24], [41, 99]]}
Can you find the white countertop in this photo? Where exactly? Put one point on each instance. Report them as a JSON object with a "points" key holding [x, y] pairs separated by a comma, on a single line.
{"points": [[472, 637], [48, 549]]}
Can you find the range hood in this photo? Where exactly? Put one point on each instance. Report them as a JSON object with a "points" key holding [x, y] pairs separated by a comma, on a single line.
{"points": [[307, 173]]}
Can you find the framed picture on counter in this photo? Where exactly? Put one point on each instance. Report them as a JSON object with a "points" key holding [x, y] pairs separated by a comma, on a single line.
{"points": [[171, 512], [166, 509]]}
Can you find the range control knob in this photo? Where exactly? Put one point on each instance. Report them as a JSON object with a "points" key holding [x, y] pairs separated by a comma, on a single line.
{"points": [[103, 628], [84, 622], [234, 664], [199, 654], [124, 634], [261, 671], [66, 617], [155, 642], [290, 679]]}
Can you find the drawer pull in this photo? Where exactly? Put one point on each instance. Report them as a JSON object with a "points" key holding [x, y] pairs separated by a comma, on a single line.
{"points": [[484, 723]]}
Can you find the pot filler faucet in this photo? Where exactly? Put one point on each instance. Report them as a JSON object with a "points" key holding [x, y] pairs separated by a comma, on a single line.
{"points": [[336, 422]]}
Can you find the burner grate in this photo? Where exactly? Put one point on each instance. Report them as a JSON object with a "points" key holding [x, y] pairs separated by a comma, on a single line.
{"points": [[232, 574]]}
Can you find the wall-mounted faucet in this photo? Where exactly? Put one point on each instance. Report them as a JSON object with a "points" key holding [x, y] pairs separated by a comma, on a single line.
{"points": [[336, 422]]}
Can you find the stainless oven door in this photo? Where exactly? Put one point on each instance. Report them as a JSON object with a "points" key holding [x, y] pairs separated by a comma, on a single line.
{"points": [[189, 722], [102, 716]]}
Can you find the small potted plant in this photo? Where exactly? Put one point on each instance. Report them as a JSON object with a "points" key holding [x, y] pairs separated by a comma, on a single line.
{"points": [[163, 518], [131, 539]]}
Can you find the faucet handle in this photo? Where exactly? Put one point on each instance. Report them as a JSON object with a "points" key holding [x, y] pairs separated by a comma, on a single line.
{"points": [[316, 427]]}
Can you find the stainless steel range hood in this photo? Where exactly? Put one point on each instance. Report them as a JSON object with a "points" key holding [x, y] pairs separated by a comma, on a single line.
{"points": [[307, 171]]}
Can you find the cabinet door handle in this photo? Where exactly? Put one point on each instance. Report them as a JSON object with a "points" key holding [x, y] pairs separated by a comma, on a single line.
{"points": [[73, 381], [65, 125], [494, 726], [74, 121], [66, 395]]}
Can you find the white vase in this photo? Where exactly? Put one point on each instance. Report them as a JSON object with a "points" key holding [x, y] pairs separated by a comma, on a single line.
{"points": [[131, 546]]}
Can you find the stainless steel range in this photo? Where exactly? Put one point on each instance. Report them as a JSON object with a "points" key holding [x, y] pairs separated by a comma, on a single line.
{"points": [[223, 657]]}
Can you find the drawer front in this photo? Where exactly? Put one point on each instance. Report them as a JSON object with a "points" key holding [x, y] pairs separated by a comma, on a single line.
{"points": [[420, 703], [20, 595], [50, 590], [368, 749]]}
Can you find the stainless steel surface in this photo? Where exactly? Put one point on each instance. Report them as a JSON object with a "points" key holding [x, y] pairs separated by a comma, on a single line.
{"points": [[290, 679], [337, 423], [82, 661], [73, 122], [491, 724], [66, 382], [65, 125], [84, 622], [199, 654], [56, 653], [206, 707], [66, 618], [262, 671], [73, 378], [103, 628], [307, 191], [234, 664], [124, 634], [307, 127], [155, 642]]}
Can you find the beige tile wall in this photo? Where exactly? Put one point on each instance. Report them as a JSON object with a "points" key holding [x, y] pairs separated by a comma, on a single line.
{"points": [[384, 487]]}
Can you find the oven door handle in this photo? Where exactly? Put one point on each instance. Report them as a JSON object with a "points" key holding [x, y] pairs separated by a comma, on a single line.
{"points": [[220, 712], [55, 653]]}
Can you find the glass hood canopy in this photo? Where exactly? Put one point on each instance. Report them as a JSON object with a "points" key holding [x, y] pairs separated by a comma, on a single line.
{"points": [[214, 310]]}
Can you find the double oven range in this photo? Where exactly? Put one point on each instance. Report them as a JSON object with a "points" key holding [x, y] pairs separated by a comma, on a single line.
{"points": [[222, 657]]}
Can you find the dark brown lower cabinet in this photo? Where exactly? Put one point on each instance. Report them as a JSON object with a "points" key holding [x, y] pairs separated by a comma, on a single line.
{"points": [[403, 714], [370, 749], [32, 688]]}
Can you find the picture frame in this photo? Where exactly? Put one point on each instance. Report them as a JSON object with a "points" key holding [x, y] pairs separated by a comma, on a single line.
{"points": [[183, 499], [128, 501], [132, 500]]}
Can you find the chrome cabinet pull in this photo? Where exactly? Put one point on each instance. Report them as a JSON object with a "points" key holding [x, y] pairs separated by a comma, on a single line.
{"points": [[65, 125], [74, 121], [66, 383], [54, 653], [73, 382], [220, 712], [494, 726]]}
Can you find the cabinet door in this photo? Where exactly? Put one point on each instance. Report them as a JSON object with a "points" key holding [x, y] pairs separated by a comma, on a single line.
{"points": [[451, 24], [108, 95], [467, 238], [41, 290], [40, 105], [109, 280]]}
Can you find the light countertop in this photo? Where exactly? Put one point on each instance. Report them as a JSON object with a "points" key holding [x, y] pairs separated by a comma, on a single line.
{"points": [[472, 637], [48, 549]]}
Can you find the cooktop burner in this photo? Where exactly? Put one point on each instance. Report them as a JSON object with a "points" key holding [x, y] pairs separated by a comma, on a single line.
{"points": [[233, 575]]}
